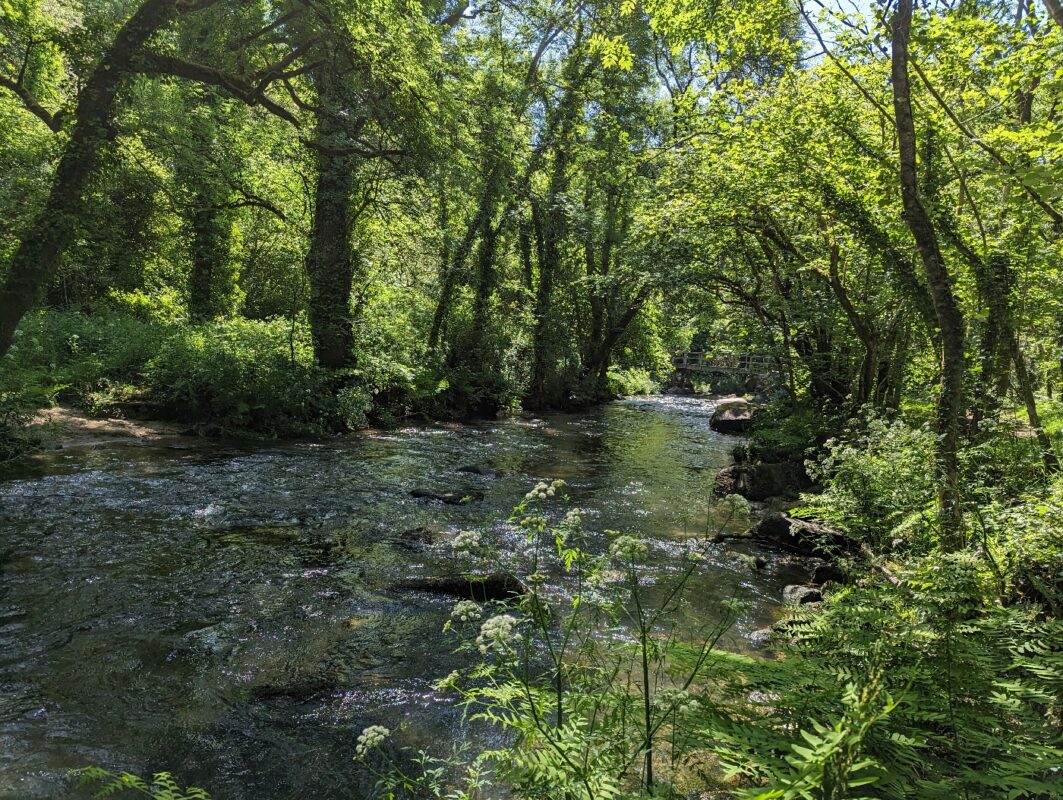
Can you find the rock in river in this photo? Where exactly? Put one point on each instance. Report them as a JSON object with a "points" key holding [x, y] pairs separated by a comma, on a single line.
{"points": [[799, 595], [480, 469], [763, 480], [455, 498], [733, 415], [494, 586], [420, 538], [828, 573], [800, 536]]}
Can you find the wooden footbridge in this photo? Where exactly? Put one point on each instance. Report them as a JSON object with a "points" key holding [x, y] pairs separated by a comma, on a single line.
{"points": [[696, 362]]}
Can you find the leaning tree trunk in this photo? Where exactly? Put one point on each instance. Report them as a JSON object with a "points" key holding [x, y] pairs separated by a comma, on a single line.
{"points": [[947, 311], [38, 254]]}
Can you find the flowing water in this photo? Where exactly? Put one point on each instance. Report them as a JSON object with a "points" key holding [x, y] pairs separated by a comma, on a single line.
{"points": [[233, 613]]}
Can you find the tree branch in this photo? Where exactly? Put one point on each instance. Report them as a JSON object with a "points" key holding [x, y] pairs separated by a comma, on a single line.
{"points": [[987, 148], [53, 121], [236, 85]]}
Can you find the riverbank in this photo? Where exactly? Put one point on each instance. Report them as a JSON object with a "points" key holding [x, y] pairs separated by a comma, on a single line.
{"points": [[242, 377], [65, 427]]}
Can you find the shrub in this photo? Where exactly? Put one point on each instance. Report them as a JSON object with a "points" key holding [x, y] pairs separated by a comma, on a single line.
{"points": [[631, 381], [242, 375], [878, 481], [963, 694], [784, 433]]}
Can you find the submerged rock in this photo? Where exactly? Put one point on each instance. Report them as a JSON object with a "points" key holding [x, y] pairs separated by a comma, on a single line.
{"points": [[494, 586], [800, 536], [480, 469], [420, 538], [217, 639], [799, 595], [733, 415], [762, 481], [455, 498], [754, 562]]}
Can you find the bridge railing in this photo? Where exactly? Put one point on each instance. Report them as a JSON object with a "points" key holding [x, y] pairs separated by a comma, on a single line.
{"points": [[698, 360]]}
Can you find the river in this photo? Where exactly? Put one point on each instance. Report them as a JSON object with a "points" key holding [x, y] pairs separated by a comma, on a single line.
{"points": [[230, 612]]}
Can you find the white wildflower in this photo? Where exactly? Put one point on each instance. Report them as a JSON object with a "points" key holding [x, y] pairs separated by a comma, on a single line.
{"points": [[543, 490], [371, 737], [467, 542], [538, 492], [465, 610], [628, 548], [678, 700], [735, 504], [497, 632]]}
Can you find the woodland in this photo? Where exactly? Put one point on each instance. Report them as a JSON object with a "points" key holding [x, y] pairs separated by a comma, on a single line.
{"points": [[300, 219]]}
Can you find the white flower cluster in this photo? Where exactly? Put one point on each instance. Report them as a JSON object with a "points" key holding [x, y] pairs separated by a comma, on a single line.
{"points": [[682, 702], [371, 737], [628, 548], [573, 518], [497, 632], [465, 610], [467, 542], [544, 490]]}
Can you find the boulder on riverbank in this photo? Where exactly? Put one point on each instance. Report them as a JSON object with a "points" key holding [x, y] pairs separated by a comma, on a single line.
{"points": [[801, 536], [481, 588], [763, 480], [828, 573], [453, 498], [732, 415], [799, 595]]}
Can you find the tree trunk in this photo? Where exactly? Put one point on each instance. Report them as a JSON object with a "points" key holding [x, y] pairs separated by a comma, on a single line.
{"points": [[949, 318], [1022, 376], [329, 264], [1055, 10], [211, 281], [37, 256], [453, 267]]}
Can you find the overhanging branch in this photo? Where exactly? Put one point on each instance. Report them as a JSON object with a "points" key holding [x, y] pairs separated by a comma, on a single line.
{"points": [[238, 86]]}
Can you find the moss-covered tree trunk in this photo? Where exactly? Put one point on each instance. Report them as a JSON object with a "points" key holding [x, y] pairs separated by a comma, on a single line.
{"points": [[951, 405], [329, 264], [212, 278]]}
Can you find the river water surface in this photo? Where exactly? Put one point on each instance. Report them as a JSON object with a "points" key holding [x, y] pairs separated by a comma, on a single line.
{"points": [[232, 612]]}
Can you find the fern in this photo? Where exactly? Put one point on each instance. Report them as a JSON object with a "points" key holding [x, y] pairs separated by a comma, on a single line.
{"points": [[161, 787]]}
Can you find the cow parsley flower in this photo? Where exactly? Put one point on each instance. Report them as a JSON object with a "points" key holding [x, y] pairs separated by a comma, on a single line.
{"points": [[678, 700], [573, 518], [467, 542], [735, 504], [371, 737], [543, 490], [465, 610], [497, 633], [628, 548]]}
